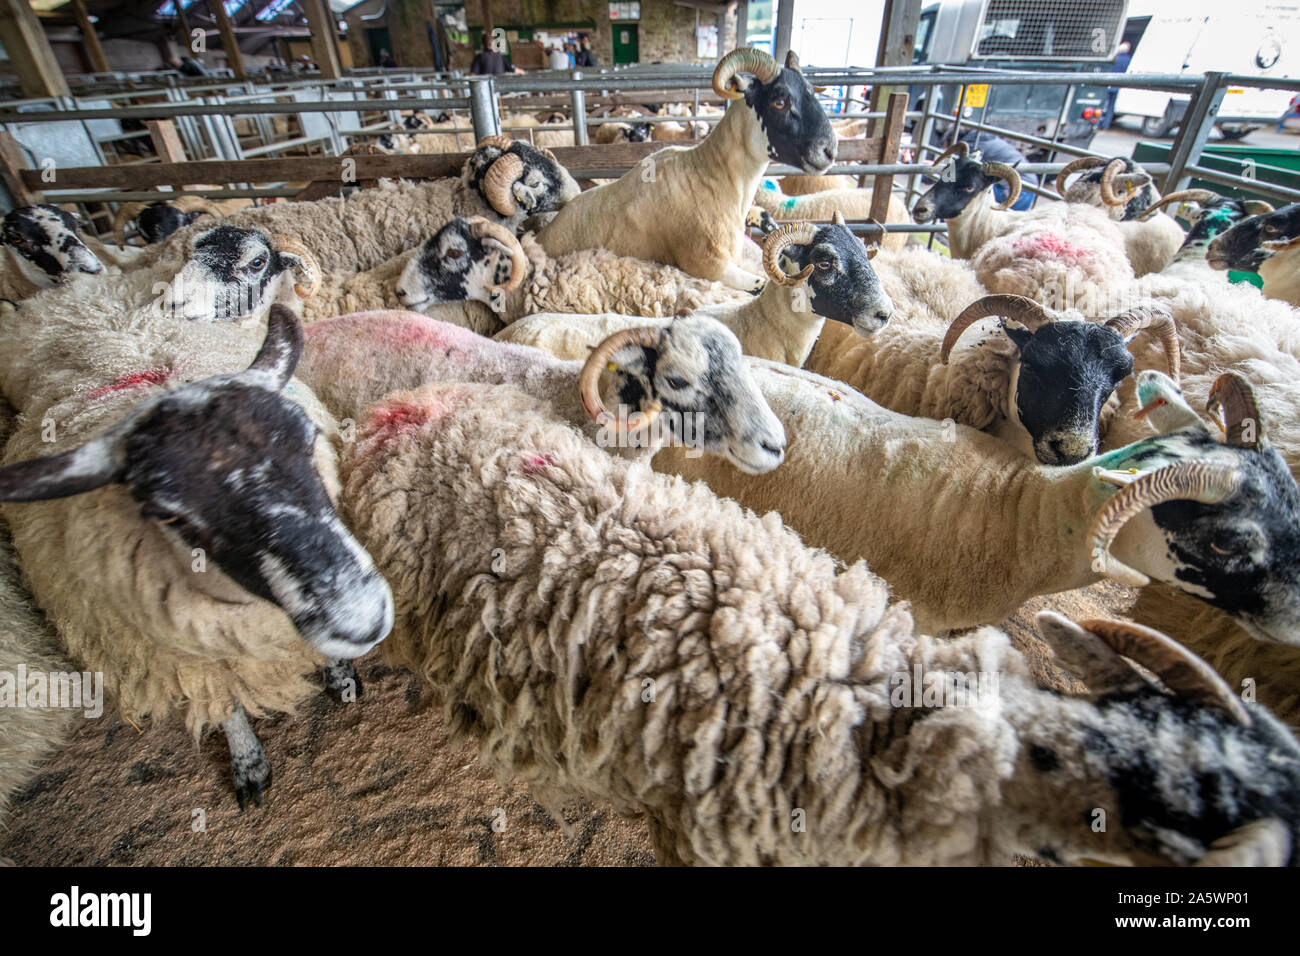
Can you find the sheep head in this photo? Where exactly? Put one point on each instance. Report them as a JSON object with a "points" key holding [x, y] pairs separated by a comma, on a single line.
{"points": [[1159, 808], [692, 378], [226, 464], [232, 273], [1254, 241], [796, 127], [518, 180], [834, 268], [1217, 518], [467, 259], [1065, 371], [47, 246], [961, 179], [1119, 185]]}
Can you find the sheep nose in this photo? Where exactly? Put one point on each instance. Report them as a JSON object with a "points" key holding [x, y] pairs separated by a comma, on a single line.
{"points": [[776, 451], [883, 315], [401, 293]]}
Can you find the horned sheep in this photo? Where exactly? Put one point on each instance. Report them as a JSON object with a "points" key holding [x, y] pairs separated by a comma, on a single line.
{"points": [[611, 634]]}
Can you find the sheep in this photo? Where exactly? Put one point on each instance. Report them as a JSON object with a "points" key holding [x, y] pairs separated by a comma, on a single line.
{"points": [[677, 132], [1265, 243], [1119, 185], [475, 260], [970, 502], [610, 634], [624, 133], [368, 228], [30, 731], [1071, 236], [834, 281], [158, 220], [691, 371], [1045, 386], [43, 247], [852, 204], [160, 462], [686, 206]]}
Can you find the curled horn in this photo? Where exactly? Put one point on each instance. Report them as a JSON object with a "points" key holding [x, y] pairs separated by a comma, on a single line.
{"points": [[1161, 323], [744, 60], [199, 204], [1008, 175], [958, 149], [589, 378], [1232, 394], [285, 243], [1178, 668], [1256, 207], [1072, 167], [281, 348], [1020, 308], [1264, 842], [837, 218], [126, 213], [1108, 194], [1203, 481], [498, 182], [776, 242], [1200, 196], [549, 155], [480, 228], [499, 141]]}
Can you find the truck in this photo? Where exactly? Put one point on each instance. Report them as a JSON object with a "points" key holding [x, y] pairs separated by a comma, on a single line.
{"points": [[1047, 36], [1247, 37]]}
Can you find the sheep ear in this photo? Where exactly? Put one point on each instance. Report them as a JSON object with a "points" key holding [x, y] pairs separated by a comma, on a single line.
{"points": [[93, 465], [281, 348], [1018, 335], [1086, 656], [1163, 404], [792, 61]]}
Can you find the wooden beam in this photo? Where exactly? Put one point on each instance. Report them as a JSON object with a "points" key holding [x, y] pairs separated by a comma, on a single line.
{"points": [[895, 117], [324, 38], [315, 168], [91, 38], [30, 55], [229, 42], [165, 140], [13, 172]]}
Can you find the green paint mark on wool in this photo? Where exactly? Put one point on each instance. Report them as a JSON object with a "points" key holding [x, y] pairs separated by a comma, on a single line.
{"points": [[789, 203]]}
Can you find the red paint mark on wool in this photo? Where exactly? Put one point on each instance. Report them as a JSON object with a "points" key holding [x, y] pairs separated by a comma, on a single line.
{"points": [[535, 463], [396, 329], [393, 419], [1044, 245], [148, 378]]}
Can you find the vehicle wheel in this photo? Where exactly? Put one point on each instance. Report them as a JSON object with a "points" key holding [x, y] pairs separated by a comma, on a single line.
{"points": [[1236, 133], [1157, 126]]}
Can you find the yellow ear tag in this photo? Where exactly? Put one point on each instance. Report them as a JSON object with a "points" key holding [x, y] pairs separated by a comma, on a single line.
{"points": [[611, 366]]}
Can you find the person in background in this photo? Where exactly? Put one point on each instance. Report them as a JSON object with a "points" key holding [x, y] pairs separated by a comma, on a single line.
{"points": [[1122, 59], [559, 59], [487, 60], [995, 149], [386, 60], [585, 56], [571, 51]]}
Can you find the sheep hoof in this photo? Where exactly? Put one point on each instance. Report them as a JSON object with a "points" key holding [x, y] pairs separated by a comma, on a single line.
{"points": [[342, 682], [252, 781]]}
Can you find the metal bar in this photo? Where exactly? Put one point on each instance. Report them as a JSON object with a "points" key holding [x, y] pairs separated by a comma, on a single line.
{"points": [[578, 110], [483, 107], [1195, 129], [1241, 182]]}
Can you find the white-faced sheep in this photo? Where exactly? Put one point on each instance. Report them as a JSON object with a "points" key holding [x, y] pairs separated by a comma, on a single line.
{"points": [[834, 281], [686, 206], [853, 204], [689, 375], [180, 534], [1266, 243], [43, 247], [967, 529], [640, 641], [475, 260]]}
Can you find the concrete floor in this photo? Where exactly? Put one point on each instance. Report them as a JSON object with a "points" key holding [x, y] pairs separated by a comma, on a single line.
{"points": [[1120, 139]]}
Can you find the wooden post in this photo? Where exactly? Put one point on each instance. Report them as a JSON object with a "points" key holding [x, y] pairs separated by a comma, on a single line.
{"points": [[12, 164], [897, 41], [93, 46], [890, 141], [324, 38], [234, 56], [29, 51], [485, 11], [784, 29], [165, 140]]}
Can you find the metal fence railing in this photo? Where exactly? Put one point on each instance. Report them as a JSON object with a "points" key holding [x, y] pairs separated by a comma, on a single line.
{"points": [[226, 119]]}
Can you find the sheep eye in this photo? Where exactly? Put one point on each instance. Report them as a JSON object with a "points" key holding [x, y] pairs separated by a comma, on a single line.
{"points": [[677, 383], [1218, 550], [780, 103], [971, 188], [258, 263], [824, 265], [453, 254]]}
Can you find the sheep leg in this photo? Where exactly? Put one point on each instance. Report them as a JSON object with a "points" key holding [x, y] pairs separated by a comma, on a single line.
{"points": [[342, 682], [734, 277], [248, 763]]}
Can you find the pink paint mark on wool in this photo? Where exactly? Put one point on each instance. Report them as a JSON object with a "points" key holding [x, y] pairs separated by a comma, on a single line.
{"points": [[391, 420], [535, 463], [148, 378], [1050, 245]]}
